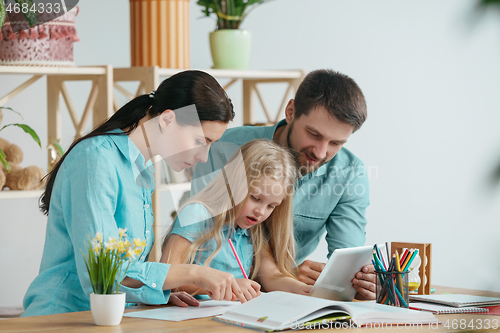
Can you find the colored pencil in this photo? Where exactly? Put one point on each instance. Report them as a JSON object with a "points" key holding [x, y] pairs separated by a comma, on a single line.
{"points": [[415, 253], [237, 258], [403, 257], [399, 279], [405, 262]]}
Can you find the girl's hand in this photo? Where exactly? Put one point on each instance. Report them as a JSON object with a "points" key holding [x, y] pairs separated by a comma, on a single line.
{"points": [[219, 285], [250, 288], [183, 299]]}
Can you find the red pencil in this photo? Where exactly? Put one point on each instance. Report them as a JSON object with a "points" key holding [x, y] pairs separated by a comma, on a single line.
{"points": [[403, 257]]}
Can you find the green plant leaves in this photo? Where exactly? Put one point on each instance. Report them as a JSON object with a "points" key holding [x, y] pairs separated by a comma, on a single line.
{"points": [[230, 13], [3, 13], [28, 130], [3, 159], [58, 147], [31, 16], [11, 109]]}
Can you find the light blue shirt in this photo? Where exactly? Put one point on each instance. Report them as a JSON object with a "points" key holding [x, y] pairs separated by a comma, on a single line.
{"points": [[195, 220], [332, 198], [96, 190]]}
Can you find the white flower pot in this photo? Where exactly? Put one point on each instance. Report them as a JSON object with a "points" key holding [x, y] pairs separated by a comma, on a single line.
{"points": [[107, 309]]}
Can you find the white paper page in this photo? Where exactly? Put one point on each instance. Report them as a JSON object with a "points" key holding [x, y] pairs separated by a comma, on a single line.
{"points": [[174, 313], [278, 308]]}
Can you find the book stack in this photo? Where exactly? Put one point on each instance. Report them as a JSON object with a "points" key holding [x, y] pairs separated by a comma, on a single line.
{"points": [[452, 303]]}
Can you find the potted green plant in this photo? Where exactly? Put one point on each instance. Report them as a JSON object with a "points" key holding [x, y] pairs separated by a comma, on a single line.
{"points": [[104, 262], [229, 45]]}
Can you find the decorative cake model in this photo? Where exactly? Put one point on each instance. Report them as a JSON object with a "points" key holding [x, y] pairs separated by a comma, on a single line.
{"points": [[48, 44]]}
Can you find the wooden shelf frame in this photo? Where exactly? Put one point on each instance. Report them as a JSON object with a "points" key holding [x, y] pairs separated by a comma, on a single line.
{"points": [[99, 103], [149, 79]]}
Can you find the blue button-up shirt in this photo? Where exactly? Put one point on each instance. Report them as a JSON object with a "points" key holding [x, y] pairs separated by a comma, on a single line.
{"points": [[195, 220], [333, 198], [102, 185]]}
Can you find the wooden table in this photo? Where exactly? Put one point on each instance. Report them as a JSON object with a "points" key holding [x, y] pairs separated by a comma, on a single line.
{"points": [[83, 322]]}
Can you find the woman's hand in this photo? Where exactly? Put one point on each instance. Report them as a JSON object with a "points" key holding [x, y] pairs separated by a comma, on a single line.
{"points": [[183, 299], [250, 288]]}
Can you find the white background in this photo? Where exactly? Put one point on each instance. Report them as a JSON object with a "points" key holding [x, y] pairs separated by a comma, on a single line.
{"points": [[430, 72]]}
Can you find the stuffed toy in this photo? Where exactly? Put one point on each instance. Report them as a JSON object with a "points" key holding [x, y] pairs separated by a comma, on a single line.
{"points": [[18, 178]]}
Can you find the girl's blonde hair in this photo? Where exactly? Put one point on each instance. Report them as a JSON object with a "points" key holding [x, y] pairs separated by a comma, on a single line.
{"points": [[225, 196]]}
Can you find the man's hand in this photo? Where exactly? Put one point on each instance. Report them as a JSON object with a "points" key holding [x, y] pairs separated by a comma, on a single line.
{"points": [[309, 271], [365, 283], [183, 299]]}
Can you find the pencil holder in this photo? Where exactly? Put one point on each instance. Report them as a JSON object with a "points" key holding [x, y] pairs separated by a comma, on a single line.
{"points": [[392, 288]]}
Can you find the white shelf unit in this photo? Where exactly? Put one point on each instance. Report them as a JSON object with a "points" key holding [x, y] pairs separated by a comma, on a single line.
{"points": [[8, 194]]}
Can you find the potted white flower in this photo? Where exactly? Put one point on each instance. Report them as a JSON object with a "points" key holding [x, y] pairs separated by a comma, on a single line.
{"points": [[104, 262], [230, 45]]}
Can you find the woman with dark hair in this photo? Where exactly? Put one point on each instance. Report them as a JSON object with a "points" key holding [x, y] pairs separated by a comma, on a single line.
{"points": [[105, 181]]}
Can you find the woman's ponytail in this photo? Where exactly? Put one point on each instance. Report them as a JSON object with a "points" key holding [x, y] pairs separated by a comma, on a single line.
{"points": [[180, 90]]}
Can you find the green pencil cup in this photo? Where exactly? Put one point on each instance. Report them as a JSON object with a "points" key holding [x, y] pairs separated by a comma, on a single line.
{"points": [[392, 288]]}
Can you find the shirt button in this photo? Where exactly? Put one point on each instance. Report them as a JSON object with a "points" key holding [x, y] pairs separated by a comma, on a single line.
{"points": [[147, 231], [153, 285], [146, 205]]}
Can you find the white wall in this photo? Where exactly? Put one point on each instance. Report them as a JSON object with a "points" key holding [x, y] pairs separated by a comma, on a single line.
{"points": [[430, 72]]}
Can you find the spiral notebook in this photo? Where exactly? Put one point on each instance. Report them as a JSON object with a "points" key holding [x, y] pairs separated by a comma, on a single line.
{"points": [[457, 300], [441, 309]]}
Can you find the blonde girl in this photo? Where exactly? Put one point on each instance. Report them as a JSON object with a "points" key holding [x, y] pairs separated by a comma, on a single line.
{"points": [[250, 203]]}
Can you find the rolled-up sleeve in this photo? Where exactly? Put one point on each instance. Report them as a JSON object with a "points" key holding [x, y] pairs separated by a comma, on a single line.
{"points": [[153, 275]]}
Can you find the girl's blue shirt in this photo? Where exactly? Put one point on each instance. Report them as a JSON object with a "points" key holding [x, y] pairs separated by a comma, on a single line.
{"points": [[195, 220], [102, 185]]}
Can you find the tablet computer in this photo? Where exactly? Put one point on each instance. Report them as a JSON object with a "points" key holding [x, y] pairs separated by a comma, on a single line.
{"points": [[334, 282]]}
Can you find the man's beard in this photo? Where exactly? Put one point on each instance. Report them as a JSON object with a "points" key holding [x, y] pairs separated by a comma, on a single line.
{"points": [[307, 168]]}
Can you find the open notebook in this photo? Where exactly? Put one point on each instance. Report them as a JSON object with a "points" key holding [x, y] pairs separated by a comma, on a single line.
{"points": [[278, 310], [456, 300]]}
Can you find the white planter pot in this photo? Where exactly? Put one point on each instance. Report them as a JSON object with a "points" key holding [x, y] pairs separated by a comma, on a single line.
{"points": [[230, 48], [108, 309]]}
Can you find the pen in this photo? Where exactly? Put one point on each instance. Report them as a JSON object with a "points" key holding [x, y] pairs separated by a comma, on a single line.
{"points": [[237, 258]]}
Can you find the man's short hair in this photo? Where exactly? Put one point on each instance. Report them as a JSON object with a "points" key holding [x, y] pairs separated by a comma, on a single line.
{"points": [[336, 92]]}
